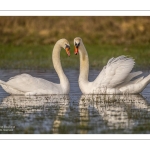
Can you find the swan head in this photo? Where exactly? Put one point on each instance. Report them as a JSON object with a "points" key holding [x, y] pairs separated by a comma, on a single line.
{"points": [[77, 42], [65, 44]]}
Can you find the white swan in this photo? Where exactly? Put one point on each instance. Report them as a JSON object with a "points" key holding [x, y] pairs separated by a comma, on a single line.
{"points": [[28, 85], [115, 78]]}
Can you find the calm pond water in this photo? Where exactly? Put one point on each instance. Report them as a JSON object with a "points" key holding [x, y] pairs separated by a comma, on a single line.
{"points": [[74, 113]]}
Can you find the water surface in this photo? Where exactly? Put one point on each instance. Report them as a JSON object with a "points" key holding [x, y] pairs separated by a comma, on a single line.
{"points": [[73, 113]]}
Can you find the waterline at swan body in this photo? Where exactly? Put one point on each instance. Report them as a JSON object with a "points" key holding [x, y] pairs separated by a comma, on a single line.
{"points": [[26, 84], [115, 77]]}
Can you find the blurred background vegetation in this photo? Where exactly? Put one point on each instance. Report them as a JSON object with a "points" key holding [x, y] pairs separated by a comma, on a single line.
{"points": [[27, 42]]}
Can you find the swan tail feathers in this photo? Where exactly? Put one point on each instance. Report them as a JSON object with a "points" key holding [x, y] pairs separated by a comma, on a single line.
{"points": [[146, 80], [143, 83]]}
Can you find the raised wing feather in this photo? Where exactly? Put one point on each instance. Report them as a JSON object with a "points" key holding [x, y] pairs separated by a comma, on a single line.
{"points": [[26, 83], [115, 72]]}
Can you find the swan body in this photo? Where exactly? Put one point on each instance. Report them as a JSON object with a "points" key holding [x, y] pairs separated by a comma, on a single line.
{"points": [[115, 77], [28, 85]]}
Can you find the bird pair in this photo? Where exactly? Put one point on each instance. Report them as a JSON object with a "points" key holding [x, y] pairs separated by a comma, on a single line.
{"points": [[115, 77]]}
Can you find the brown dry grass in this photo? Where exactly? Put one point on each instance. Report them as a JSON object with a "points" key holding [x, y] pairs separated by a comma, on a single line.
{"points": [[94, 30]]}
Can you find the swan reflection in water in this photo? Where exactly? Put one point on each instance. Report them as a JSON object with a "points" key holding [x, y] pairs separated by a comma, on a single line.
{"points": [[112, 112], [42, 114], [74, 114]]}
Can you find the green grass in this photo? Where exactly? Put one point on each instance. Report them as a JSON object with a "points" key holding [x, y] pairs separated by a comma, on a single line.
{"points": [[29, 57], [40, 56], [99, 55]]}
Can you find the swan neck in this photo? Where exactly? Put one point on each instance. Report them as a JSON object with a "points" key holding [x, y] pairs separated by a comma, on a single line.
{"points": [[57, 66], [84, 63]]}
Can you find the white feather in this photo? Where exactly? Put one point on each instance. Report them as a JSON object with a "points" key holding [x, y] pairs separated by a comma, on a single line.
{"points": [[29, 85], [115, 77]]}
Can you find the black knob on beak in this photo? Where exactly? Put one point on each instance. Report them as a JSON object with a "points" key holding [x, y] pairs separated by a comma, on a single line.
{"points": [[77, 45], [67, 46]]}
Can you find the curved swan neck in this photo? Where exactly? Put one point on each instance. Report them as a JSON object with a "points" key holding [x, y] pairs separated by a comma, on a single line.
{"points": [[84, 63], [57, 65]]}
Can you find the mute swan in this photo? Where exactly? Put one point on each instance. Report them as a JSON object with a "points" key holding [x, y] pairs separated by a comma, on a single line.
{"points": [[28, 85], [115, 78]]}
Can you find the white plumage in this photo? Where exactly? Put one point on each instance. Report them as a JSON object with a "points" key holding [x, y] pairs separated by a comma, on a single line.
{"points": [[115, 72], [29, 85], [115, 77]]}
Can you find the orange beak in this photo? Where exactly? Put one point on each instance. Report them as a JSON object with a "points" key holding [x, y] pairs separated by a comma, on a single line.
{"points": [[76, 50], [68, 51]]}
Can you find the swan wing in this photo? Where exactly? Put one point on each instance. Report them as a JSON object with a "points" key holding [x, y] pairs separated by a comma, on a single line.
{"points": [[26, 83], [115, 72], [130, 77]]}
